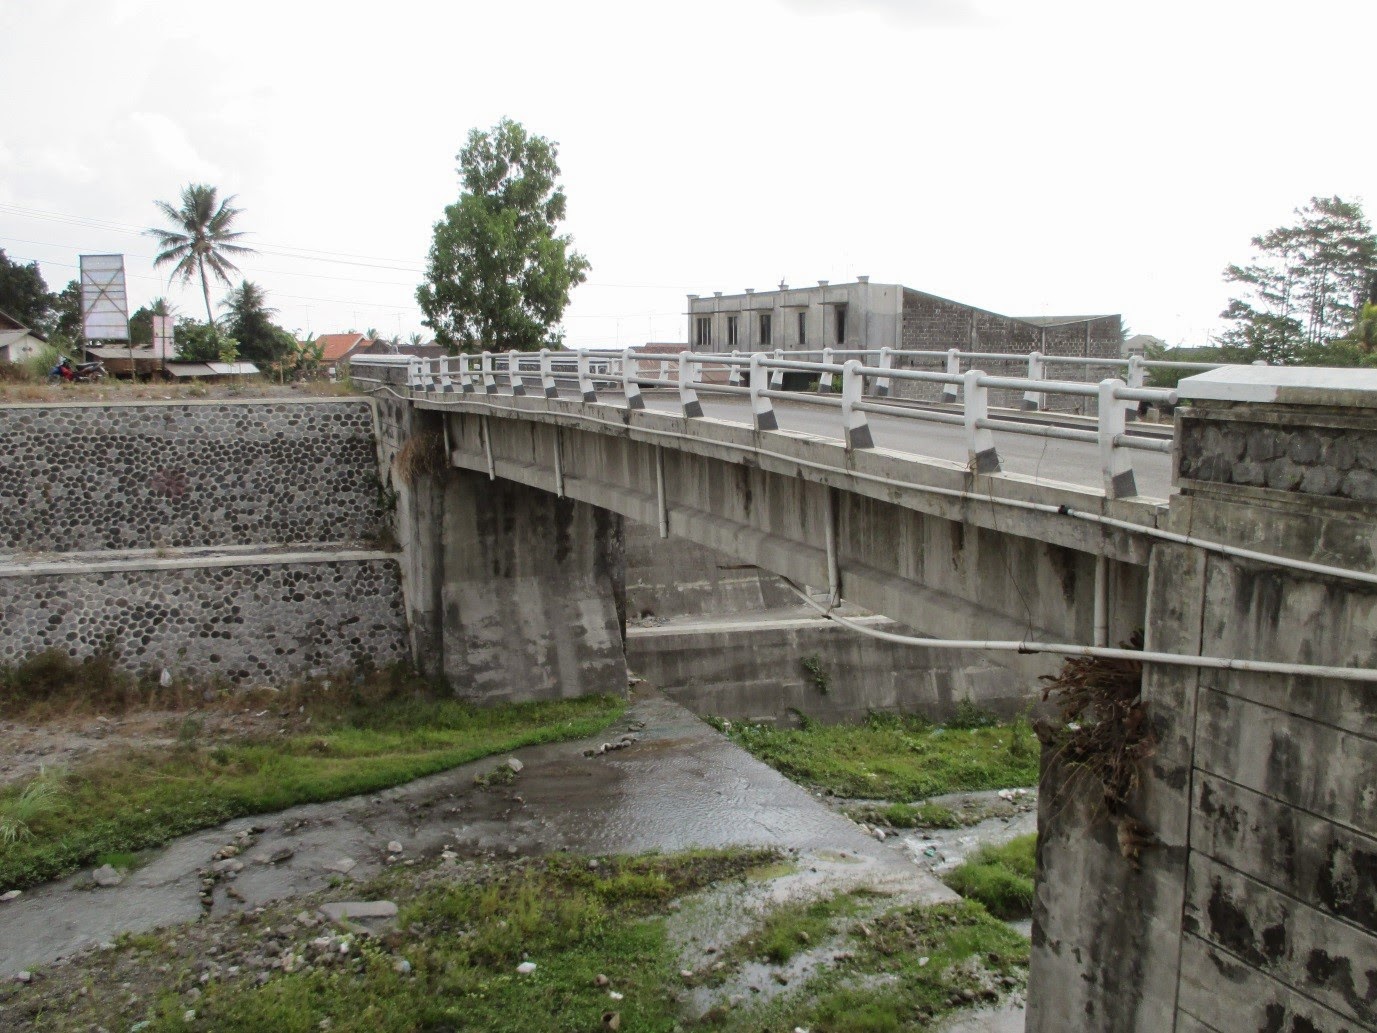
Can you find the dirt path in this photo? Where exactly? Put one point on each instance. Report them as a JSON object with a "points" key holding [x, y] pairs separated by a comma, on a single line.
{"points": [[680, 785]]}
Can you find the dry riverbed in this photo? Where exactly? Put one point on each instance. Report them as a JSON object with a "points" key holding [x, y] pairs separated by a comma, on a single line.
{"points": [[724, 942]]}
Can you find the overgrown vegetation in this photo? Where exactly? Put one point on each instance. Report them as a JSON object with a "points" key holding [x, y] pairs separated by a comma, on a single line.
{"points": [[421, 455], [1105, 732], [895, 757], [999, 877], [812, 665], [598, 938], [1104, 735], [38, 797], [365, 736]]}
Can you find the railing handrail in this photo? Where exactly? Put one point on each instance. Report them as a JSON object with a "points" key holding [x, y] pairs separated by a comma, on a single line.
{"points": [[1115, 398]]}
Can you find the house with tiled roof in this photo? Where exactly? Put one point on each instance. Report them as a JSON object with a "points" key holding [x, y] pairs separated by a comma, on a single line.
{"points": [[341, 347]]}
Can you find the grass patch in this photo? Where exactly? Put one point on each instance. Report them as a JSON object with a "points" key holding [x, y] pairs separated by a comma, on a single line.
{"points": [[906, 968], [139, 799], [792, 927], [19, 809], [464, 941], [1000, 877], [901, 758], [908, 816], [463, 932]]}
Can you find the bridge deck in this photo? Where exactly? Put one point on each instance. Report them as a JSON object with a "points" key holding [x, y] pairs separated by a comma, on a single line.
{"points": [[1071, 462]]}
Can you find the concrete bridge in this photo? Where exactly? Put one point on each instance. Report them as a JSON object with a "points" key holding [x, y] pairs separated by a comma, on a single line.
{"points": [[1237, 889]]}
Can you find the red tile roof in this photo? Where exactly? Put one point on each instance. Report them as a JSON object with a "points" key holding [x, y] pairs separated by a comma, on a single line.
{"points": [[339, 346]]}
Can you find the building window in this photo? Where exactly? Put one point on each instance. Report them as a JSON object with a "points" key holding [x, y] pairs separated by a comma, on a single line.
{"points": [[802, 328], [840, 318], [703, 329], [731, 331], [765, 328]]}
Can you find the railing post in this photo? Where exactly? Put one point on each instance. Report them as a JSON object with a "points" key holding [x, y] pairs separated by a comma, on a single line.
{"points": [[1037, 370], [777, 376], [632, 390], [857, 430], [762, 411], [547, 375], [1137, 377], [951, 392], [586, 388], [689, 404], [514, 380], [465, 379], [980, 447], [1114, 461], [485, 367], [886, 362], [825, 378], [442, 377], [663, 375], [734, 371], [413, 374]]}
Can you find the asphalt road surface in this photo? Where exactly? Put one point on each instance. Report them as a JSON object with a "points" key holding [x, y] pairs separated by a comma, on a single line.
{"points": [[1072, 462]]}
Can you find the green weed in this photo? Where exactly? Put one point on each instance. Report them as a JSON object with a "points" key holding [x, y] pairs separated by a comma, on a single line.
{"points": [[891, 757], [139, 799], [1000, 877], [19, 810]]}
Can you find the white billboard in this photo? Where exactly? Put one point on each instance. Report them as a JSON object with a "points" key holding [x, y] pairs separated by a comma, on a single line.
{"points": [[163, 346], [104, 299]]}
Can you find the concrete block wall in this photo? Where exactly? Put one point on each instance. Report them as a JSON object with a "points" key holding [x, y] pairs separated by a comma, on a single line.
{"points": [[228, 538], [931, 323], [1256, 906]]}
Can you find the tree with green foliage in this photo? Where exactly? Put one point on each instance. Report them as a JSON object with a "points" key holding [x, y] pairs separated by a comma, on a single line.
{"points": [[204, 238], [1305, 286], [141, 322], [204, 342], [249, 321], [24, 293], [498, 275], [66, 315]]}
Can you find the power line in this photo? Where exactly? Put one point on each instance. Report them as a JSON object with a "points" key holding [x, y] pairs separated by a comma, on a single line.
{"points": [[283, 250]]}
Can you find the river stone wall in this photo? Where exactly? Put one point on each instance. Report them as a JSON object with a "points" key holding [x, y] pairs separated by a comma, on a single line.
{"points": [[254, 623], [87, 477], [1332, 457], [229, 538]]}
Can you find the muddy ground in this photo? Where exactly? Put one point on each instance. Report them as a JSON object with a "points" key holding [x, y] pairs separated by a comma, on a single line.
{"points": [[680, 784]]}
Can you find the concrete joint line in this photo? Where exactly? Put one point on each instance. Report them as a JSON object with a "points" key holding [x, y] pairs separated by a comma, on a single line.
{"points": [[269, 559]]}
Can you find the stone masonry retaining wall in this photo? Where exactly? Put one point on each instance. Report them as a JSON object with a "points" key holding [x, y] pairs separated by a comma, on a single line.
{"points": [[150, 492], [1337, 461], [255, 622], [187, 474]]}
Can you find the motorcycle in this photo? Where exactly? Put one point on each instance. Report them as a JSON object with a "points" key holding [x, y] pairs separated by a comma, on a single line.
{"points": [[81, 372]]}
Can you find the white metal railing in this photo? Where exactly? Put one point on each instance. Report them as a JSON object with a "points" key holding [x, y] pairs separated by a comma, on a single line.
{"points": [[758, 376]]}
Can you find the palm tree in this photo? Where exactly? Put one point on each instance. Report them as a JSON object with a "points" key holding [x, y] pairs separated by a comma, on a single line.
{"points": [[203, 238], [247, 303]]}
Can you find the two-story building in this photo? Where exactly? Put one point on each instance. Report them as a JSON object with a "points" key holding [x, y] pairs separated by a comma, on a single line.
{"points": [[866, 315]]}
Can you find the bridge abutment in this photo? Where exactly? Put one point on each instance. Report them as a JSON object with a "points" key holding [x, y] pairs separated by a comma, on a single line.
{"points": [[1238, 890], [533, 592]]}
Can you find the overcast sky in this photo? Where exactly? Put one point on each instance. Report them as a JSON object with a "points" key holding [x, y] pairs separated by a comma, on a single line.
{"points": [[1050, 157]]}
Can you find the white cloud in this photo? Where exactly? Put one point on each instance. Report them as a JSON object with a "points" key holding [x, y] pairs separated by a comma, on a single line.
{"points": [[170, 145]]}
